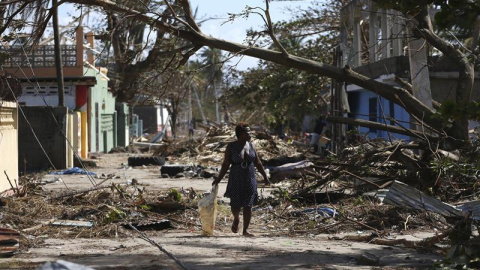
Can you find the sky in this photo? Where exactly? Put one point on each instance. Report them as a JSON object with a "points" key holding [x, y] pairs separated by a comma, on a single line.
{"points": [[217, 26], [236, 31]]}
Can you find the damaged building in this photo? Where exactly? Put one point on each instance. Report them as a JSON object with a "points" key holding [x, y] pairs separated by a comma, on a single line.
{"points": [[377, 43], [90, 121]]}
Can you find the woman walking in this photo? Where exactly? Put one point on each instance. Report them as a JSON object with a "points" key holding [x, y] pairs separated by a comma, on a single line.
{"points": [[242, 159]]}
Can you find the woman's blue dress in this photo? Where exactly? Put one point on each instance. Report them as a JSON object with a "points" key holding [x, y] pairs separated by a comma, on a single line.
{"points": [[242, 185]]}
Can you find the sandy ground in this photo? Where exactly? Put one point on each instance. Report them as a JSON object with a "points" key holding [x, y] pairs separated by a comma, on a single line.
{"points": [[225, 250]]}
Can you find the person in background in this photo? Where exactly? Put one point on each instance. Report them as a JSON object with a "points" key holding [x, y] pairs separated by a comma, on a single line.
{"points": [[317, 132], [242, 159], [327, 144], [280, 129]]}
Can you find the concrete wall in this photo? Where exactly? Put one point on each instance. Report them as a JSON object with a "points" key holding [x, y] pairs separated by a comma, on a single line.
{"points": [[444, 85], [150, 117], [8, 143], [77, 133], [51, 134], [443, 75], [123, 138], [47, 96]]}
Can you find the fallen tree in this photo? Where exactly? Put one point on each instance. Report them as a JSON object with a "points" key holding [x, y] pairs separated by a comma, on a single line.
{"points": [[176, 20], [379, 126]]}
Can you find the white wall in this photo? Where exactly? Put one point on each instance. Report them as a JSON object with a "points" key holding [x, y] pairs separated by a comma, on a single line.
{"points": [[163, 121], [8, 144], [47, 96]]}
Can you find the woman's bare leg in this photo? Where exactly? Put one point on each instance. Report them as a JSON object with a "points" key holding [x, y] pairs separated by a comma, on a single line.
{"points": [[247, 216], [236, 218]]}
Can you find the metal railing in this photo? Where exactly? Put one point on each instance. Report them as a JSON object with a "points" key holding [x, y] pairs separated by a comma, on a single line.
{"points": [[40, 56]]}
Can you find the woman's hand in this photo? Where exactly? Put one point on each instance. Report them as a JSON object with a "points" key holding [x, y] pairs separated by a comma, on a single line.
{"points": [[267, 182], [216, 180]]}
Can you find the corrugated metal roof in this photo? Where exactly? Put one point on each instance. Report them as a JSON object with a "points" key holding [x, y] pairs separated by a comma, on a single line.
{"points": [[401, 194]]}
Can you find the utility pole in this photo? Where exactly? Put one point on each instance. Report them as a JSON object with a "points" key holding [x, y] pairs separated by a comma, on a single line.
{"points": [[58, 56], [199, 103], [190, 107]]}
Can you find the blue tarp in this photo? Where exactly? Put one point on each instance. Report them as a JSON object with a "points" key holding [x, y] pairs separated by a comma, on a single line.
{"points": [[74, 170], [323, 211], [63, 265]]}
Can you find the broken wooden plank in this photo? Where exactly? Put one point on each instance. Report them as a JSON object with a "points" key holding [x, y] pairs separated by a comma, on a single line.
{"points": [[36, 227], [9, 242], [73, 223], [77, 192], [361, 178]]}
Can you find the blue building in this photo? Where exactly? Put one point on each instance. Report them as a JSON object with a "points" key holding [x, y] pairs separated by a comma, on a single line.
{"points": [[375, 43], [366, 105]]}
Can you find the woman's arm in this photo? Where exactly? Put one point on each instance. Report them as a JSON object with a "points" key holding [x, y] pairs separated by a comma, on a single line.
{"points": [[225, 165]]}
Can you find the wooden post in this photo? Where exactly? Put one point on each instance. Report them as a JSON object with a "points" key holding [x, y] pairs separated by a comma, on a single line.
{"points": [[58, 56]]}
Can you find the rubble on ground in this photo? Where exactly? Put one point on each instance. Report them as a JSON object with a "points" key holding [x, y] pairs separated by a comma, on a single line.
{"points": [[209, 149], [380, 187]]}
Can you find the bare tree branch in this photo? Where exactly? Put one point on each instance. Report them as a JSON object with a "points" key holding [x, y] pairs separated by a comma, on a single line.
{"points": [[187, 55], [174, 14], [466, 77], [271, 32], [396, 94], [188, 15], [375, 125], [6, 3], [10, 18]]}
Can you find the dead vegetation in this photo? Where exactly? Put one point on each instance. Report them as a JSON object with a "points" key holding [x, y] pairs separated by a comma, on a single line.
{"points": [[348, 192]]}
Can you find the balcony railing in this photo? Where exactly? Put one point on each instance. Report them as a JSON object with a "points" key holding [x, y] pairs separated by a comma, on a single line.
{"points": [[40, 56]]}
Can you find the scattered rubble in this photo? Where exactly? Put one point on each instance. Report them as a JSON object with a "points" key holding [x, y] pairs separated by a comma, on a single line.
{"points": [[384, 188], [209, 150]]}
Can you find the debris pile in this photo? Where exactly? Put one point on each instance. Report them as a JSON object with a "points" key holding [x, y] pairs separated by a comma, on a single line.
{"points": [[377, 189], [101, 211], [209, 149]]}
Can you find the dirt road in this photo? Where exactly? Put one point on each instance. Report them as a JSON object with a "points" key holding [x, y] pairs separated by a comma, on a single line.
{"points": [[268, 250]]}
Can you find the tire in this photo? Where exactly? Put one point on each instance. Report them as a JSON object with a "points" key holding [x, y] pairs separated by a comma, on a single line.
{"points": [[140, 161], [173, 170]]}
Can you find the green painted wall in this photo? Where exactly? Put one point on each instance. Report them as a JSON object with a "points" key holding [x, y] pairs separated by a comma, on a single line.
{"points": [[101, 112]]}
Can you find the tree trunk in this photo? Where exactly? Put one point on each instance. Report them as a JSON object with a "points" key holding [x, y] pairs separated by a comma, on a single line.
{"points": [[463, 91], [376, 125], [396, 94], [173, 117], [400, 96], [199, 104]]}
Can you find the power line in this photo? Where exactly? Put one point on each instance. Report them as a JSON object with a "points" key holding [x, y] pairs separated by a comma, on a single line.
{"points": [[31, 128], [36, 87]]}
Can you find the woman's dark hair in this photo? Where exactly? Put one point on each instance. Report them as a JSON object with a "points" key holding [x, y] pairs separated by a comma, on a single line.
{"points": [[241, 127]]}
